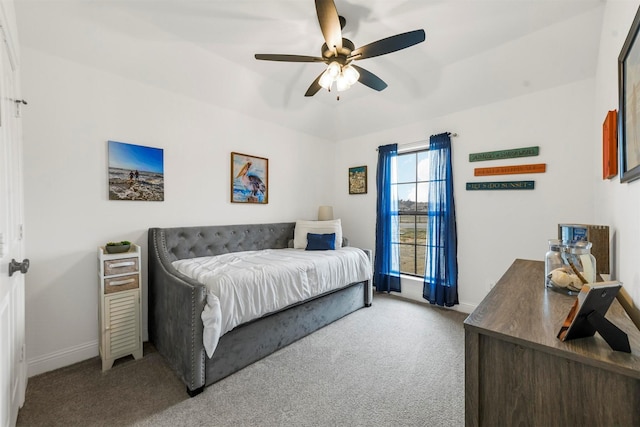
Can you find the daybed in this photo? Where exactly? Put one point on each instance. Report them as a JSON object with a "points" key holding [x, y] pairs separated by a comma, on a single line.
{"points": [[176, 302]]}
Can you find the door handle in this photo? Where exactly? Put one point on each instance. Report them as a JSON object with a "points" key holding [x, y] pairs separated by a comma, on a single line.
{"points": [[15, 266]]}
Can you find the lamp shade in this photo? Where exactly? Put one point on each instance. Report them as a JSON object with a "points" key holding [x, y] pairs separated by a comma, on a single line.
{"points": [[325, 213], [342, 83], [325, 80], [334, 70], [351, 74]]}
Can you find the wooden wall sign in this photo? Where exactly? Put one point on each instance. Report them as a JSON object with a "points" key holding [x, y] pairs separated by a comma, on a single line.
{"points": [[504, 154], [510, 170], [501, 185], [610, 145]]}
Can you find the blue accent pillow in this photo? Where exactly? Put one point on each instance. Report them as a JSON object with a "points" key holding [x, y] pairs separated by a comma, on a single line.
{"points": [[321, 242]]}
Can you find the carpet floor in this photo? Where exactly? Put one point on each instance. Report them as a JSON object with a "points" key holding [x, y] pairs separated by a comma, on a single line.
{"points": [[396, 363]]}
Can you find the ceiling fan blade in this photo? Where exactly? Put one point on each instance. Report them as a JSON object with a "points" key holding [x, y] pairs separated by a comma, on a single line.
{"points": [[315, 86], [287, 58], [388, 45], [329, 23], [367, 78]]}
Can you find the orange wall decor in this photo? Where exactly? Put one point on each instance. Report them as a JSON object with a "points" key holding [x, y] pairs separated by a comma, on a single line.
{"points": [[610, 145]]}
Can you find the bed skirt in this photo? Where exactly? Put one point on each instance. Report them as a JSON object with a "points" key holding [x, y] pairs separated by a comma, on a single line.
{"points": [[277, 330]]}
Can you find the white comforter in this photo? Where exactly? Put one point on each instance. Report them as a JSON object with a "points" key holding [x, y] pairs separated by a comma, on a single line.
{"points": [[243, 286]]}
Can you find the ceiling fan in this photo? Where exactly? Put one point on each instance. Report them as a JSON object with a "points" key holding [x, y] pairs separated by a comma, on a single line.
{"points": [[339, 53]]}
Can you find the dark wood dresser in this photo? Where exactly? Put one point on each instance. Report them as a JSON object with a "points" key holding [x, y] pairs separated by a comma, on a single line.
{"points": [[517, 373]]}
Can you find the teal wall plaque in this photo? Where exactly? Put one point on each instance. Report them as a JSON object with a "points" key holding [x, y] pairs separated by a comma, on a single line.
{"points": [[505, 154], [501, 185]]}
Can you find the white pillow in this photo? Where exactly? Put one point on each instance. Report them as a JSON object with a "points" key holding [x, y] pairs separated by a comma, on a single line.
{"points": [[316, 227]]}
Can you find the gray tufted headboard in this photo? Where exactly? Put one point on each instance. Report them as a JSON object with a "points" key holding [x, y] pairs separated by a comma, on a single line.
{"points": [[190, 242]]}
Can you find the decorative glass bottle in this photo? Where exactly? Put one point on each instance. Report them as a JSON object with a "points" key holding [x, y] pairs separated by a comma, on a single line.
{"points": [[575, 266], [552, 260]]}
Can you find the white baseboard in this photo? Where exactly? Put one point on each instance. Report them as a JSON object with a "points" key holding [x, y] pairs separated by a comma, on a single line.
{"points": [[69, 356], [62, 358], [464, 308], [461, 307], [412, 290]]}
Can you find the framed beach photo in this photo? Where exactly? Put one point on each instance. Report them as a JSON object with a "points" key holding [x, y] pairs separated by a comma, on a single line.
{"points": [[249, 179], [135, 172], [629, 103], [358, 180]]}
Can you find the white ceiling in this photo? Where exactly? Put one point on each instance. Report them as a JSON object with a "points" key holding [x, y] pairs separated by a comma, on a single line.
{"points": [[476, 52]]}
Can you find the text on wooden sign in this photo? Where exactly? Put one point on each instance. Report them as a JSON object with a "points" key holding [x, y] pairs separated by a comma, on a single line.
{"points": [[510, 170], [504, 154], [501, 185]]}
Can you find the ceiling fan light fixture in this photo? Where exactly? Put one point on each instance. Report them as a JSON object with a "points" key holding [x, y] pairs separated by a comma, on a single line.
{"points": [[350, 74], [337, 53], [326, 80], [342, 83], [334, 70]]}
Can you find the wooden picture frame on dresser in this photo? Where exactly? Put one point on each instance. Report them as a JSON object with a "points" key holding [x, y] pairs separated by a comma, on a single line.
{"points": [[119, 305]]}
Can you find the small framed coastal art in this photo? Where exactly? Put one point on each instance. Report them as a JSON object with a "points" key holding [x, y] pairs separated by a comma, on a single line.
{"points": [[249, 179], [358, 180], [135, 172]]}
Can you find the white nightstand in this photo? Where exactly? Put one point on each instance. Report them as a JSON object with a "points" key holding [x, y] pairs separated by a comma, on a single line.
{"points": [[120, 308]]}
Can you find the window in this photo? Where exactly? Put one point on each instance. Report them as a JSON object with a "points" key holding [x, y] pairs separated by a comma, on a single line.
{"points": [[412, 189]]}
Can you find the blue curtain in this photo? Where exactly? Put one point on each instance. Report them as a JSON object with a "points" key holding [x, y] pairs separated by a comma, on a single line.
{"points": [[386, 274], [441, 270]]}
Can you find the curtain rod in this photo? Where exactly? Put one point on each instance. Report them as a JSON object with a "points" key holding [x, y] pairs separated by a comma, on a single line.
{"points": [[451, 134]]}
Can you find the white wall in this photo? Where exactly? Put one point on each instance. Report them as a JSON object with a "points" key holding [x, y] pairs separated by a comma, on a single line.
{"points": [[73, 110], [616, 204], [495, 227]]}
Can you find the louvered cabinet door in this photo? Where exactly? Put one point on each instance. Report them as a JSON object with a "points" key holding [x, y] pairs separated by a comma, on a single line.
{"points": [[122, 324], [119, 306]]}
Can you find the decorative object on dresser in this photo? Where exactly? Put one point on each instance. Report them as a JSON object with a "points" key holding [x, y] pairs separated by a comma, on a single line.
{"points": [[192, 324], [358, 180], [569, 265], [119, 305], [628, 93], [598, 235], [587, 316], [249, 179]]}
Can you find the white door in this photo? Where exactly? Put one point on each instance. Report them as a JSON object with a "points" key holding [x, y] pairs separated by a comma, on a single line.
{"points": [[12, 329]]}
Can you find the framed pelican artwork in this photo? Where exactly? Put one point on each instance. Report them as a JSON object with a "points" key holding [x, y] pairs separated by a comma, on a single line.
{"points": [[249, 179]]}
